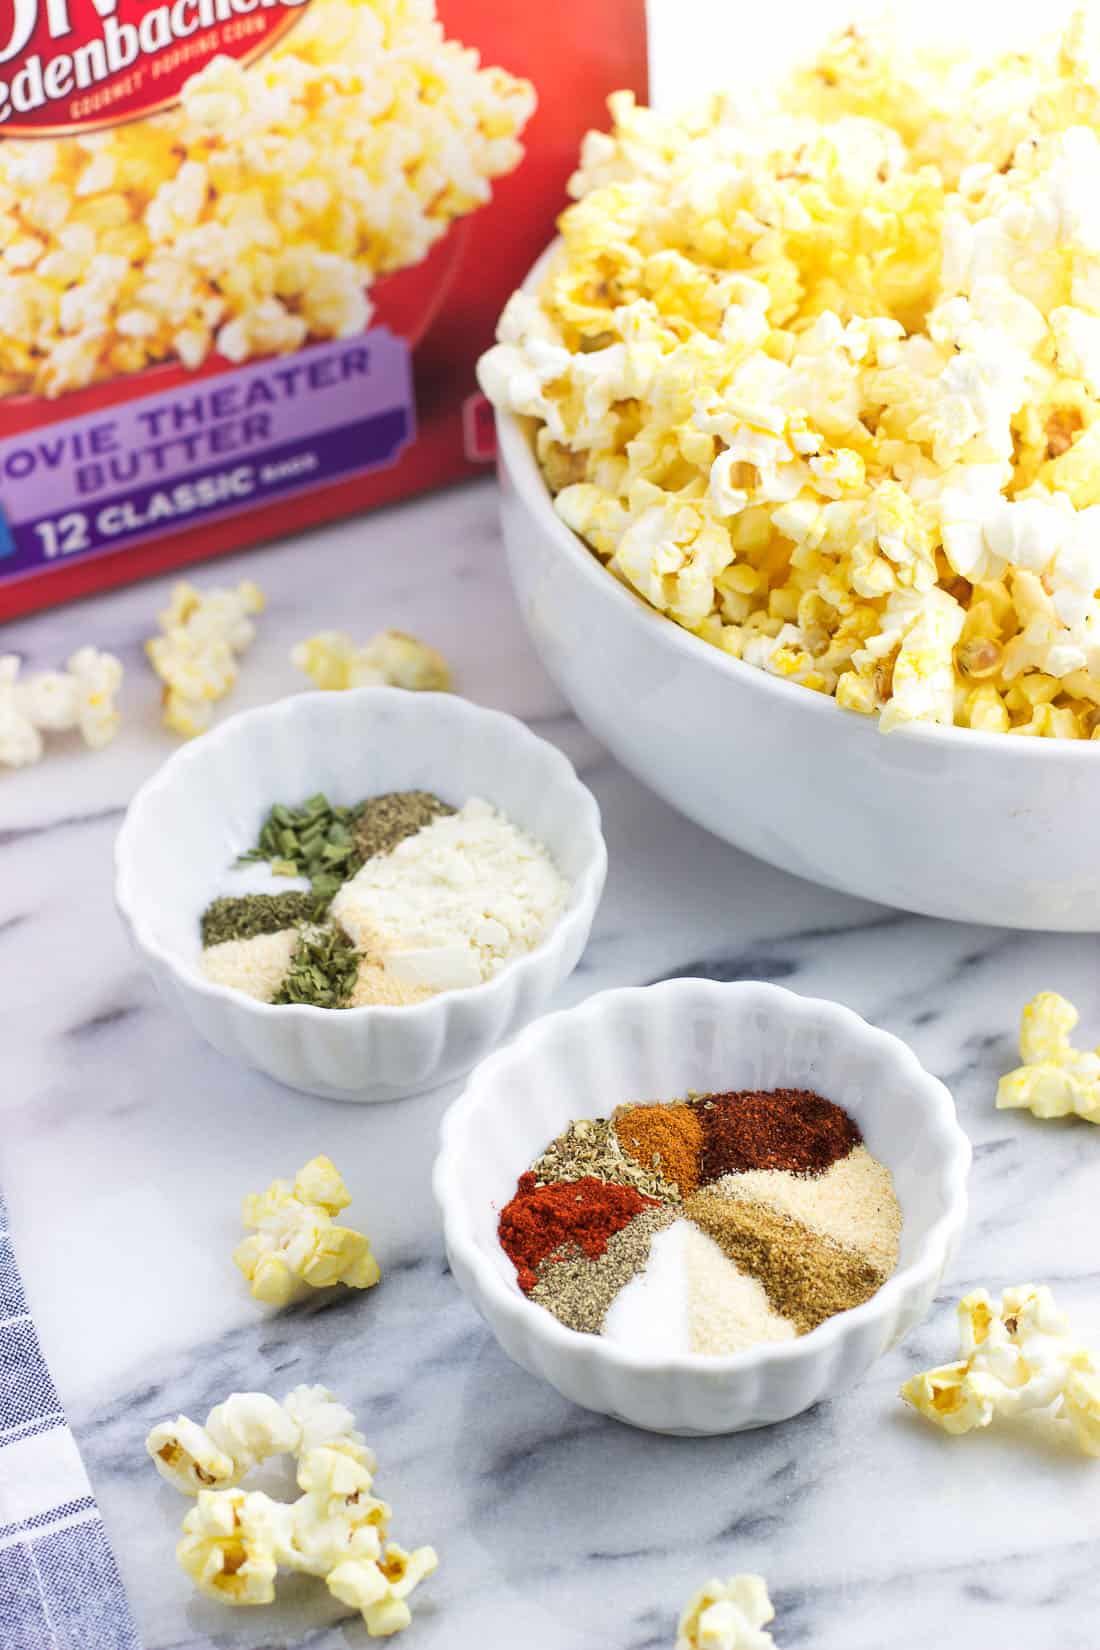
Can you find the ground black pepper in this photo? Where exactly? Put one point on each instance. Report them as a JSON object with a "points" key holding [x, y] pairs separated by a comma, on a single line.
{"points": [[578, 1291]]}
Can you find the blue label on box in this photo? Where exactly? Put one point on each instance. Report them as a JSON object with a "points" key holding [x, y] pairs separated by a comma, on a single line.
{"points": [[197, 453]]}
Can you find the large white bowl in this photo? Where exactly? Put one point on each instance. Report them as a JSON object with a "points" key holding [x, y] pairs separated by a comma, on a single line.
{"points": [[659, 1042], [946, 821], [186, 825]]}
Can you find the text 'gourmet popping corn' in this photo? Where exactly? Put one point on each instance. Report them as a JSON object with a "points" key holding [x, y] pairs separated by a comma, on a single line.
{"points": [[54, 701], [235, 1541], [1056, 1079], [295, 1244], [254, 215], [1017, 1355], [822, 383], [196, 654], [730, 1615]]}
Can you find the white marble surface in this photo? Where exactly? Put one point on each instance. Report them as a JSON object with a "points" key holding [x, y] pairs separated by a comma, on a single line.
{"points": [[125, 1146]]}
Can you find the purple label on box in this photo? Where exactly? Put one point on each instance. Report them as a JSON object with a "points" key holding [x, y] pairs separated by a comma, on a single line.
{"points": [[196, 453]]}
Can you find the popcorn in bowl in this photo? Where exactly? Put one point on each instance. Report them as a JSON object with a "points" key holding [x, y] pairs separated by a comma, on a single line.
{"points": [[822, 383]]}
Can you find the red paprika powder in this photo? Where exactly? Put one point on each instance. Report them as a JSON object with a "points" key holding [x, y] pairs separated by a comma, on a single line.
{"points": [[583, 1213]]}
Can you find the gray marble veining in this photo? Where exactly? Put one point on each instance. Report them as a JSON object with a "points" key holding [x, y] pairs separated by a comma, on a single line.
{"points": [[125, 1146]]}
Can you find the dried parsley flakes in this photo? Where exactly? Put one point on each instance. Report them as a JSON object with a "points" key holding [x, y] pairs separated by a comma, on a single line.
{"points": [[322, 970]]}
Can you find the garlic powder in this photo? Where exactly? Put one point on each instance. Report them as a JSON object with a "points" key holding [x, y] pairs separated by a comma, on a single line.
{"points": [[256, 966]]}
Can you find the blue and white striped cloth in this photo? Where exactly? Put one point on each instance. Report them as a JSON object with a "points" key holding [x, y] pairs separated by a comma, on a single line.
{"points": [[59, 1585]]}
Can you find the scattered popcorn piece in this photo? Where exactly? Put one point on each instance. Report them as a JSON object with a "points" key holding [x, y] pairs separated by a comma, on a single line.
{"points": [[728, 1615], [229, 1544], [235, 1542], [54, 701], [322, 1422], [1056, 1079], [1017, 1355], [296, 1245], [380, 1589], [391, 659], [239, 1433], [196, 654]]}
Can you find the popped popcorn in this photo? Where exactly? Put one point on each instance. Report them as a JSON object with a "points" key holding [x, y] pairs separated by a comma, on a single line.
{"points": [[247, 1429], [235, 1541], [728, 1615], [391, 658], [295, 1244], [238, 1434], [228, 1546], [1056, 1079], [196, 654], [255, 215], [1017, 1355], [54, 701], [821, 381]]}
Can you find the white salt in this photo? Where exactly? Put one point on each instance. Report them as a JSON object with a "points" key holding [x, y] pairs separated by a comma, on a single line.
{"points": [[257, 877], [650, 1314]]}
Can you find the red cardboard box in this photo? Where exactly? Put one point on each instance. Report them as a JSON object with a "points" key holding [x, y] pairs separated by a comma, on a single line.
{"points": [[250, 251]]}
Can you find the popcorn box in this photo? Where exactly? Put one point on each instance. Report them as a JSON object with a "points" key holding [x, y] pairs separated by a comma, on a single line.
{"points": [[250, 251]]}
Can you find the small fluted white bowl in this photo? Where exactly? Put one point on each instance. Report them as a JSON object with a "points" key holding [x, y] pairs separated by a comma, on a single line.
{"points": [[659, 1042], [185, 827]]}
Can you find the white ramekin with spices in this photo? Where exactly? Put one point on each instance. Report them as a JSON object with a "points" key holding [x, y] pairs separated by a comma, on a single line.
{"points": [[827, 1196], [361, 893]]}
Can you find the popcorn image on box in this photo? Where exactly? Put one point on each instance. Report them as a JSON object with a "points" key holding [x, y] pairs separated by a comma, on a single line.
{"points": [[250, 251]]}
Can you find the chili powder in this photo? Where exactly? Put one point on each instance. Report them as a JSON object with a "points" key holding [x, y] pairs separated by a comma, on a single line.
{"points": [[792, 1129], [574, 1214]]}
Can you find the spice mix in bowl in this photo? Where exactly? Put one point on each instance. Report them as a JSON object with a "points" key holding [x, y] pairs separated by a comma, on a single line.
{"points": [[701, 1206], [704, 1225], [387, 902], [424, 866]]}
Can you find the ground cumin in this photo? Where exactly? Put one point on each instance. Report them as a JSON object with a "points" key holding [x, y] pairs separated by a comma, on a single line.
{"points": [[779, 1129], [665, 1139], [807, 1277]]}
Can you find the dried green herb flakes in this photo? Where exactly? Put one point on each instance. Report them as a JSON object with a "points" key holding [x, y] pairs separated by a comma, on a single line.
{"points": [[242, 917], [383, 821], [322, 970], [316, 841]]}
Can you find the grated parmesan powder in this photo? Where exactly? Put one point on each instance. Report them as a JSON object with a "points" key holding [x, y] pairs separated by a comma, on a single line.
{"points": [[449, 907], [256, 966]]}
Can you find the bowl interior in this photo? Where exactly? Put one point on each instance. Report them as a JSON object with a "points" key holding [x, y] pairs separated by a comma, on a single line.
{"points": [[660, 1042], [207, 803]]}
